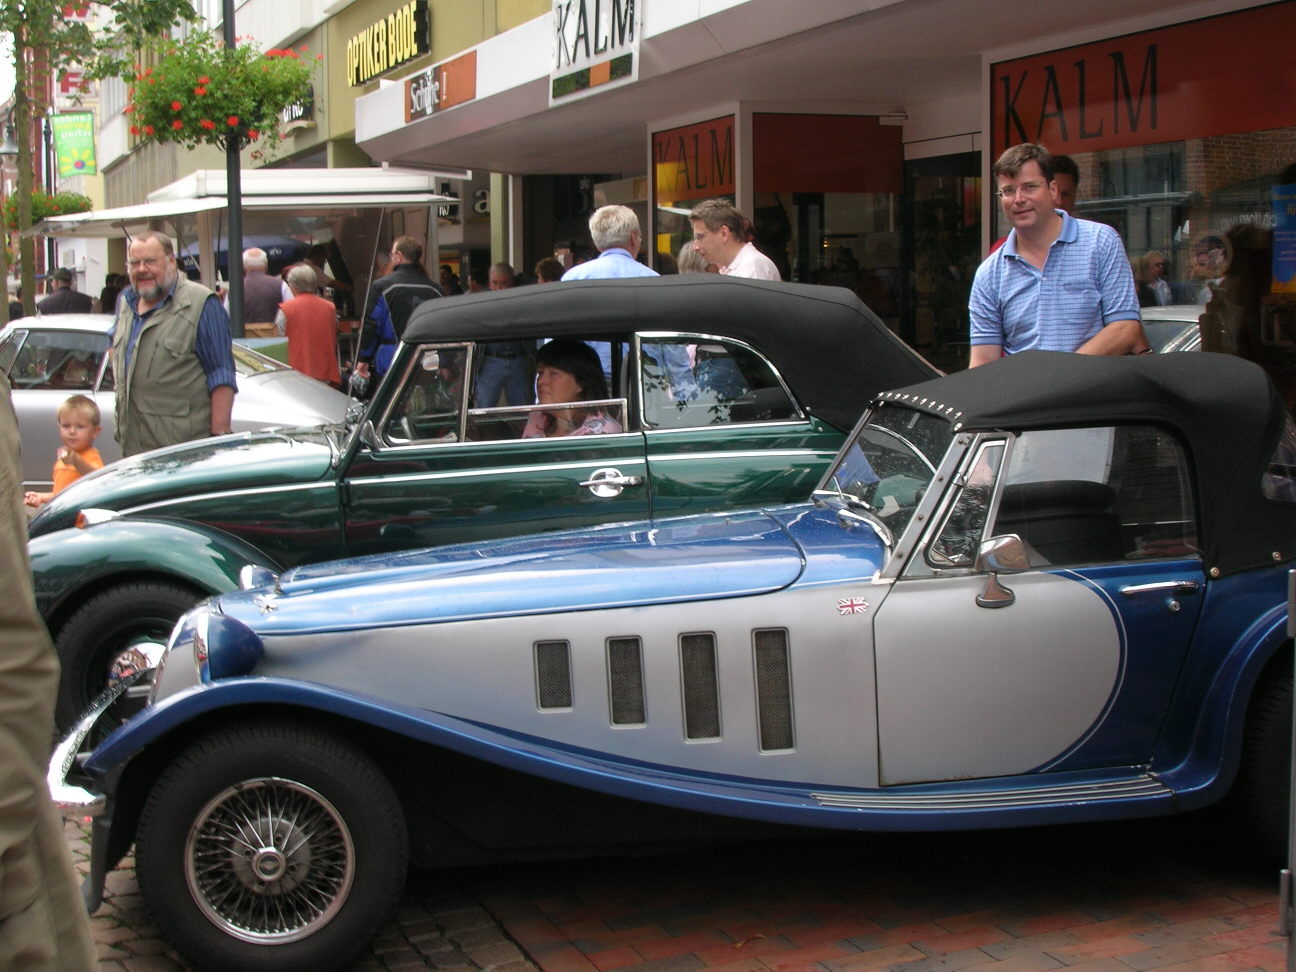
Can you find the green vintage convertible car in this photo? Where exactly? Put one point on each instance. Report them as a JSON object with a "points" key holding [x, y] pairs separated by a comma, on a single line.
{"points": [[730, 394]]}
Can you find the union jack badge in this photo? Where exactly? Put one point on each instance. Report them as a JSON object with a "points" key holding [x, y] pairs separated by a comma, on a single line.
{"points": [[852, 605]]}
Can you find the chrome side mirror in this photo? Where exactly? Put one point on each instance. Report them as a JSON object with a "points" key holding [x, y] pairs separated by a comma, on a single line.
{"points": [[1000, 555]]}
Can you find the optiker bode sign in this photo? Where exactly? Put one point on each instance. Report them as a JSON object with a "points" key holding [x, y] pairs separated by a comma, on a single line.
{"points": [[386, 43]]}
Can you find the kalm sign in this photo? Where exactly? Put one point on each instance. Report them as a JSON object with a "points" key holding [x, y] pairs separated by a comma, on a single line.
{"points": [[694, 162], [1216, 76]]}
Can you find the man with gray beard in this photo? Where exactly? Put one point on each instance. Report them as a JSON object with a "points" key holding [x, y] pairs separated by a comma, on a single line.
{"points": [[172, 354]]}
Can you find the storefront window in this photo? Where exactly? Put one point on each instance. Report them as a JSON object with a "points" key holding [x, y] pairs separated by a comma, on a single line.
{"points": [[1191, 159], [690, 164], [943, 246], [1210, 228]]}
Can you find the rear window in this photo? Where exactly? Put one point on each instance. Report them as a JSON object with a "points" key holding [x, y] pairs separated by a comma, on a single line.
{"points": [[1279, 481]]}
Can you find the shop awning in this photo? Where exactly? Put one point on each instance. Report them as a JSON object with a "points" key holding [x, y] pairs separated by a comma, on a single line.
{"points": [[105, 223], [303, 192]]}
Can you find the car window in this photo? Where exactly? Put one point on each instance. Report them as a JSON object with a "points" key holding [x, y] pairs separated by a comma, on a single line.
{"points": [[65, 360], [10, 343], [693, 382], [429, 408], [1279, 480], [959, 536], [1098, 495]]}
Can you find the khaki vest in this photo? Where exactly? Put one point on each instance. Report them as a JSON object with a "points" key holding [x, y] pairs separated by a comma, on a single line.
{"points": [[163, 399]]}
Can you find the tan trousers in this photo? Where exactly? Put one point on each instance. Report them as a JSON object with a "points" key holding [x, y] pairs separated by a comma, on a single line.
{"points": [[43, 924]]}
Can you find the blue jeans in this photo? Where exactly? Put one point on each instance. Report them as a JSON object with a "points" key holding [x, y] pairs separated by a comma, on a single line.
{"points": [[513, 376]]}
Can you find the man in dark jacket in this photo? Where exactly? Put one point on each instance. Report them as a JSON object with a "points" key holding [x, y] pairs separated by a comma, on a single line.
{"points": [[65, 300], [392, 300]]}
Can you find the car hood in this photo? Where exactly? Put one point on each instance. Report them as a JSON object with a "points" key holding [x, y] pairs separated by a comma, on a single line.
{"points": [[620, 565], [241, 461]]}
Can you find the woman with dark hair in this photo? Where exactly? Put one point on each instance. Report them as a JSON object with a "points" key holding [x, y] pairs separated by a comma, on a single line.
{"points": [[569, 371]]}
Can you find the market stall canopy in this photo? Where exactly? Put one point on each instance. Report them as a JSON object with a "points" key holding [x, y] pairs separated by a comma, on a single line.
{"points": [[314, 192]]}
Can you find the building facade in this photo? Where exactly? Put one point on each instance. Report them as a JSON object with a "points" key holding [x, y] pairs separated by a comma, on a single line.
{"points": [[856, 134]]}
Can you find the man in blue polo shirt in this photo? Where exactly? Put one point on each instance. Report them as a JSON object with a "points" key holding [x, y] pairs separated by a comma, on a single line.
{"points": [[1058, 283]]}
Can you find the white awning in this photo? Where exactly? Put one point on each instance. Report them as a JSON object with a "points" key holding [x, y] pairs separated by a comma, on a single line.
{"points": [[301, 192], [106, 223]]}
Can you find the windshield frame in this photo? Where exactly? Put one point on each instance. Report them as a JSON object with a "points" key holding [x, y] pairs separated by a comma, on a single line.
{"points": [[941, 469]]}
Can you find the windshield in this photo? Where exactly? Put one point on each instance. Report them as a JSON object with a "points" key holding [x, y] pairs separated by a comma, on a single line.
{"points": [[889, 464]]}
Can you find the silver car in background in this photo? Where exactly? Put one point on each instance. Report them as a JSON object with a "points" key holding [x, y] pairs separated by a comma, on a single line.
{"points": [[47, 359], [1173, 327]]}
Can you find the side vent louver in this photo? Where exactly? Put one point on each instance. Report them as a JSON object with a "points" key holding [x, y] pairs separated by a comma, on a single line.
{"points": [[553, 674], [625, 682], [701, 689], [773, 689]]}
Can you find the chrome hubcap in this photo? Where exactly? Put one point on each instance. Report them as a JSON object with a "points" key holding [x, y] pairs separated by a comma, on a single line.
{"points": [[269, 861]]}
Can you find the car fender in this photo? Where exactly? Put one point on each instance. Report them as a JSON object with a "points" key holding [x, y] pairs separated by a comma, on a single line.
{"points": [[67, 563], [1204, 739], [176, 715]]}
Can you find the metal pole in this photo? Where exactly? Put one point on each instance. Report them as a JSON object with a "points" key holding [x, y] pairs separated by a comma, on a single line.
{"points": [[234, 200]]}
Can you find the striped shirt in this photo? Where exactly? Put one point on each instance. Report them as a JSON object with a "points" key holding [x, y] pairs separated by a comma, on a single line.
{"points": [[1085, 285]]}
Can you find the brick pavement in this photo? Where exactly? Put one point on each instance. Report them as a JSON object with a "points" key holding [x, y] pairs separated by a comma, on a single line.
{"points": [[1148, 895]]}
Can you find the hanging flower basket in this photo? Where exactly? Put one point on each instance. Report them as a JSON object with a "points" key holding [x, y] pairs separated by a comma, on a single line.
{"points": [[200, 92], [43, 206]]}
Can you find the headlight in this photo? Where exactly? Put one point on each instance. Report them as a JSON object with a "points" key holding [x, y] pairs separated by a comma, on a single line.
{"points": [[224, 647]]}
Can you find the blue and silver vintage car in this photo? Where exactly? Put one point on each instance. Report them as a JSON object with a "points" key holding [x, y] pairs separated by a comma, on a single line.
{"points": [[1051, 589]]}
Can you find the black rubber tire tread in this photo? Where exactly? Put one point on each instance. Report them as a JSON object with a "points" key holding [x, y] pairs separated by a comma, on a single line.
{"points": [[124, 608], [337, 769], [1264, 776]]}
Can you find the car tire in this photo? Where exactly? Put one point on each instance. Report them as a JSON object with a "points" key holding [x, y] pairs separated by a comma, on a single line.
{"points": [[1264, 777], [105, 626], [226, 904]]}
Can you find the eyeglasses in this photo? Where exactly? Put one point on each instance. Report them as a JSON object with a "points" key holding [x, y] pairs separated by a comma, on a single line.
{"points": [[152, 263], [1026, 188]]}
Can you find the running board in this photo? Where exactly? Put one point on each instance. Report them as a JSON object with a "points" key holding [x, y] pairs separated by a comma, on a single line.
{"points": [[1139, 787]]}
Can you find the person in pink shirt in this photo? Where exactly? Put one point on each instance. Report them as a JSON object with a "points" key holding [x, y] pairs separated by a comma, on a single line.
{"points": [[720, 237]]}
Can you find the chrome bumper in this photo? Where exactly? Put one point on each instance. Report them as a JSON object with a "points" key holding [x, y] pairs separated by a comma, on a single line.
{"points": [[73, 800]]}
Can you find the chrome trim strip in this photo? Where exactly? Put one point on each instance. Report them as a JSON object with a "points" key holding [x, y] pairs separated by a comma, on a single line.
{"points": [[72, 801], [330, 485], [502, 470], [1142, 786], [1173, 587], [728, 427], [745, 454]]}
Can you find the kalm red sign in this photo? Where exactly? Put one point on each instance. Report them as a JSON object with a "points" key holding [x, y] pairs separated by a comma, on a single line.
{"points": [[1217, 76]]}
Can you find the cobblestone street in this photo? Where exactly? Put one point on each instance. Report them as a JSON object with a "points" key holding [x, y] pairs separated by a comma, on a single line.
{"points": [[1166, 894]]}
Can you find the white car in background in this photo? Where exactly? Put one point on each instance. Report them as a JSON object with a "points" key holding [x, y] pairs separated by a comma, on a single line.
{"points": [[47, 359]]}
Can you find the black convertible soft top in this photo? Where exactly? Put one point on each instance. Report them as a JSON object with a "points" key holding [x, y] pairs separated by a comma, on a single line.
{"points": [[831, 349], [1224, 408]]}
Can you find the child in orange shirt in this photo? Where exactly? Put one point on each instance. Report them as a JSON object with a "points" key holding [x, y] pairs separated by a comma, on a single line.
{"points": [[78, 420]]}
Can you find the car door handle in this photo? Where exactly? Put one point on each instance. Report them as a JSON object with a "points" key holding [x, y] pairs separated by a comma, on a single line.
{"points": [[1162, 587], [609, 482]]}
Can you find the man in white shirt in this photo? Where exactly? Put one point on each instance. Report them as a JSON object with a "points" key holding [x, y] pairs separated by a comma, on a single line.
{"points": [[720, 237]]}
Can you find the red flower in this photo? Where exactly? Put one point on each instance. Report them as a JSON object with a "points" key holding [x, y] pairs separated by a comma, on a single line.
{"points": [[204, 80], [176, 106], [128, 109], [200, 91], [148, 129], [134, 130], [232, 121], [177, 124], [254, 134], [208, 124]]}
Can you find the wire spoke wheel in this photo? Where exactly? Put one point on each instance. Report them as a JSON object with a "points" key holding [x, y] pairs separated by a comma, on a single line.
{"points": [[269, 861]]}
